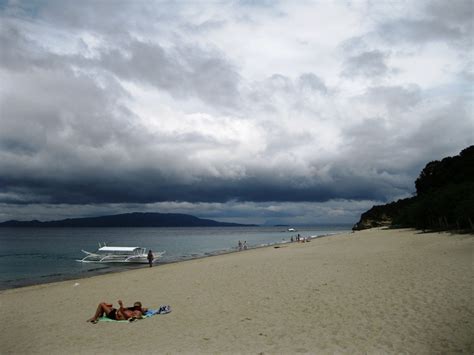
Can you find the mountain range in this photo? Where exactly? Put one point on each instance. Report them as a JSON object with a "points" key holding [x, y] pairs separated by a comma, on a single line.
{"points": [[135, 219]]}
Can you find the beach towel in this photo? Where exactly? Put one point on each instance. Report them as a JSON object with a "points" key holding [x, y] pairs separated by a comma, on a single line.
{"points": [[163, 309]]}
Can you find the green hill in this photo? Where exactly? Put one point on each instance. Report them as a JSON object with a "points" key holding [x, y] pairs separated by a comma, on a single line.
{"points": [[444, 199]]}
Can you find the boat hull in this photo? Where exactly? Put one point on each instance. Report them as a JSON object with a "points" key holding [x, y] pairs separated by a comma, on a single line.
{"points": [[115, 261], [108, 258]]}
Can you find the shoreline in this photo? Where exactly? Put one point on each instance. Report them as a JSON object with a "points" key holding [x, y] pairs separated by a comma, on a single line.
{"points": [[50, 279], [373, 291]]}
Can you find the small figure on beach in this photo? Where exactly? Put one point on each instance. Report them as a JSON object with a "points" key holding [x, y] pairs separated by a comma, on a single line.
{"points": [[150, 258], [292, 240], [239, 244], [245, 245], [122, 313]]}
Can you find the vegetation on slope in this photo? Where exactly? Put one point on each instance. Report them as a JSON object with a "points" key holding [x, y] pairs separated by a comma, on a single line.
{"points": [[444, 198]]}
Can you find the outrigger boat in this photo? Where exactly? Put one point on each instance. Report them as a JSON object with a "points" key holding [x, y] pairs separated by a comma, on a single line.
{"points": [[110, 254]]}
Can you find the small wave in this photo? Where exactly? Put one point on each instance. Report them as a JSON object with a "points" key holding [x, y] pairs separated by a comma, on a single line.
{"points": [[51, 275]]}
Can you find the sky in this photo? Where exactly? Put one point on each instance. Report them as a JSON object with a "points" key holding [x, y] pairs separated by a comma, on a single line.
{"points": [[265, 112]]}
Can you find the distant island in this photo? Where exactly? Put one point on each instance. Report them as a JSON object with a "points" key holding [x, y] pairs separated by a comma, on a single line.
{"points": [[444, 199], [135, 219]]}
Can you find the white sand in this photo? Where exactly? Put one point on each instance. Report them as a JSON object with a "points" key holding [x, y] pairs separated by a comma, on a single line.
{"points": [[376, 291]]}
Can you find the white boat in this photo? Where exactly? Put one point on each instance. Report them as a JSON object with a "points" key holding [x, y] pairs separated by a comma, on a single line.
{"points": [[110, 254], [291, 230]]}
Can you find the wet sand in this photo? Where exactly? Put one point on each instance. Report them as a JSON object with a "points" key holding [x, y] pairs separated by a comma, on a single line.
{"points": [[375, 291]]}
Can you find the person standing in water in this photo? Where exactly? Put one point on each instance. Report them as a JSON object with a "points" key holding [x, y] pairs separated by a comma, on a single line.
{"points": [[150, 258]]}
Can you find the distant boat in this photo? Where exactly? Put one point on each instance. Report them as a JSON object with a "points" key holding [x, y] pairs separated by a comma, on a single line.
{"points": [[291, 230], [126, 255]]}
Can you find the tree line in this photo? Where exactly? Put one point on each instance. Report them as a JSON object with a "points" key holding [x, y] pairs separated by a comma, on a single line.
{"points": [[444, 198]]}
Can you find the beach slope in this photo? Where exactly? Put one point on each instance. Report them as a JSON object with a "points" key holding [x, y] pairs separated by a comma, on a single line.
{"points": [[374, 291]]}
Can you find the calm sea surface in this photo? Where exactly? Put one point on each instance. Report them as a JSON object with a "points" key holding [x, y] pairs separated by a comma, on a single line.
{"points": [[32, 256]]}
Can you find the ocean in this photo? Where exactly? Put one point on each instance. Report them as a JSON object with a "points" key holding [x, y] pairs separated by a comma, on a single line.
{"points": [[40, 255]]}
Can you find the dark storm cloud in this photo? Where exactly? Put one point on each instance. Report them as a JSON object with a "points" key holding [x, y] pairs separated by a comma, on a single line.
{"points": [[20, 53], [367, 64], [205, 26], [312, 82], [55, 122], [268, 94], [80, 146], [373, 152], [395, 157], [183, 71], [394, 98], [453, 122], [142, 103], [65, 139], [419, 31], [151, 186], [459, 12], [102, 17], [278, 83], [65, 136], [60, 111], [450, 21]]}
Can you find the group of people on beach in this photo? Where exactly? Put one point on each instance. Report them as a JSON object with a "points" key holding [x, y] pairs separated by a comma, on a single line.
{"points": [[299, 239], [242, 246]]}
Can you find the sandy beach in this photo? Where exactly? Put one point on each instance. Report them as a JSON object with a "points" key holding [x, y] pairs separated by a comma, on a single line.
{"points": [[375, 291]]}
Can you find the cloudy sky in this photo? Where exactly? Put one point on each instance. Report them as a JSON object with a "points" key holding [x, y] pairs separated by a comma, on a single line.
{"points": [[243, 111]]}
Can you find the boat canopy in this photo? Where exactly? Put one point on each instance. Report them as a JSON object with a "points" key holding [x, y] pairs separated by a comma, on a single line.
{"points": [[123, 249]]}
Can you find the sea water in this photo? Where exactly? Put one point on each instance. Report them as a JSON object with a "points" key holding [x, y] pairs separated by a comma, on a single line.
{"points": [[40, 255]]}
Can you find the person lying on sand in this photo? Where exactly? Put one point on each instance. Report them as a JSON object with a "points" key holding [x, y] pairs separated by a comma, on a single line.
{"points": [[129, 313]]}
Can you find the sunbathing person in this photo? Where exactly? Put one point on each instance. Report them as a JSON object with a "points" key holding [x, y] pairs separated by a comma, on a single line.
{"points": [[129, 313]]}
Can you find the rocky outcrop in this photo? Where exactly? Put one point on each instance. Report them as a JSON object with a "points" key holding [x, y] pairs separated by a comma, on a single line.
{"points": [[382, 215]]}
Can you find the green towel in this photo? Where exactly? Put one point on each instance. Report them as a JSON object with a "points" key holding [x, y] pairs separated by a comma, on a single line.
{"points": [[105, 319]]}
